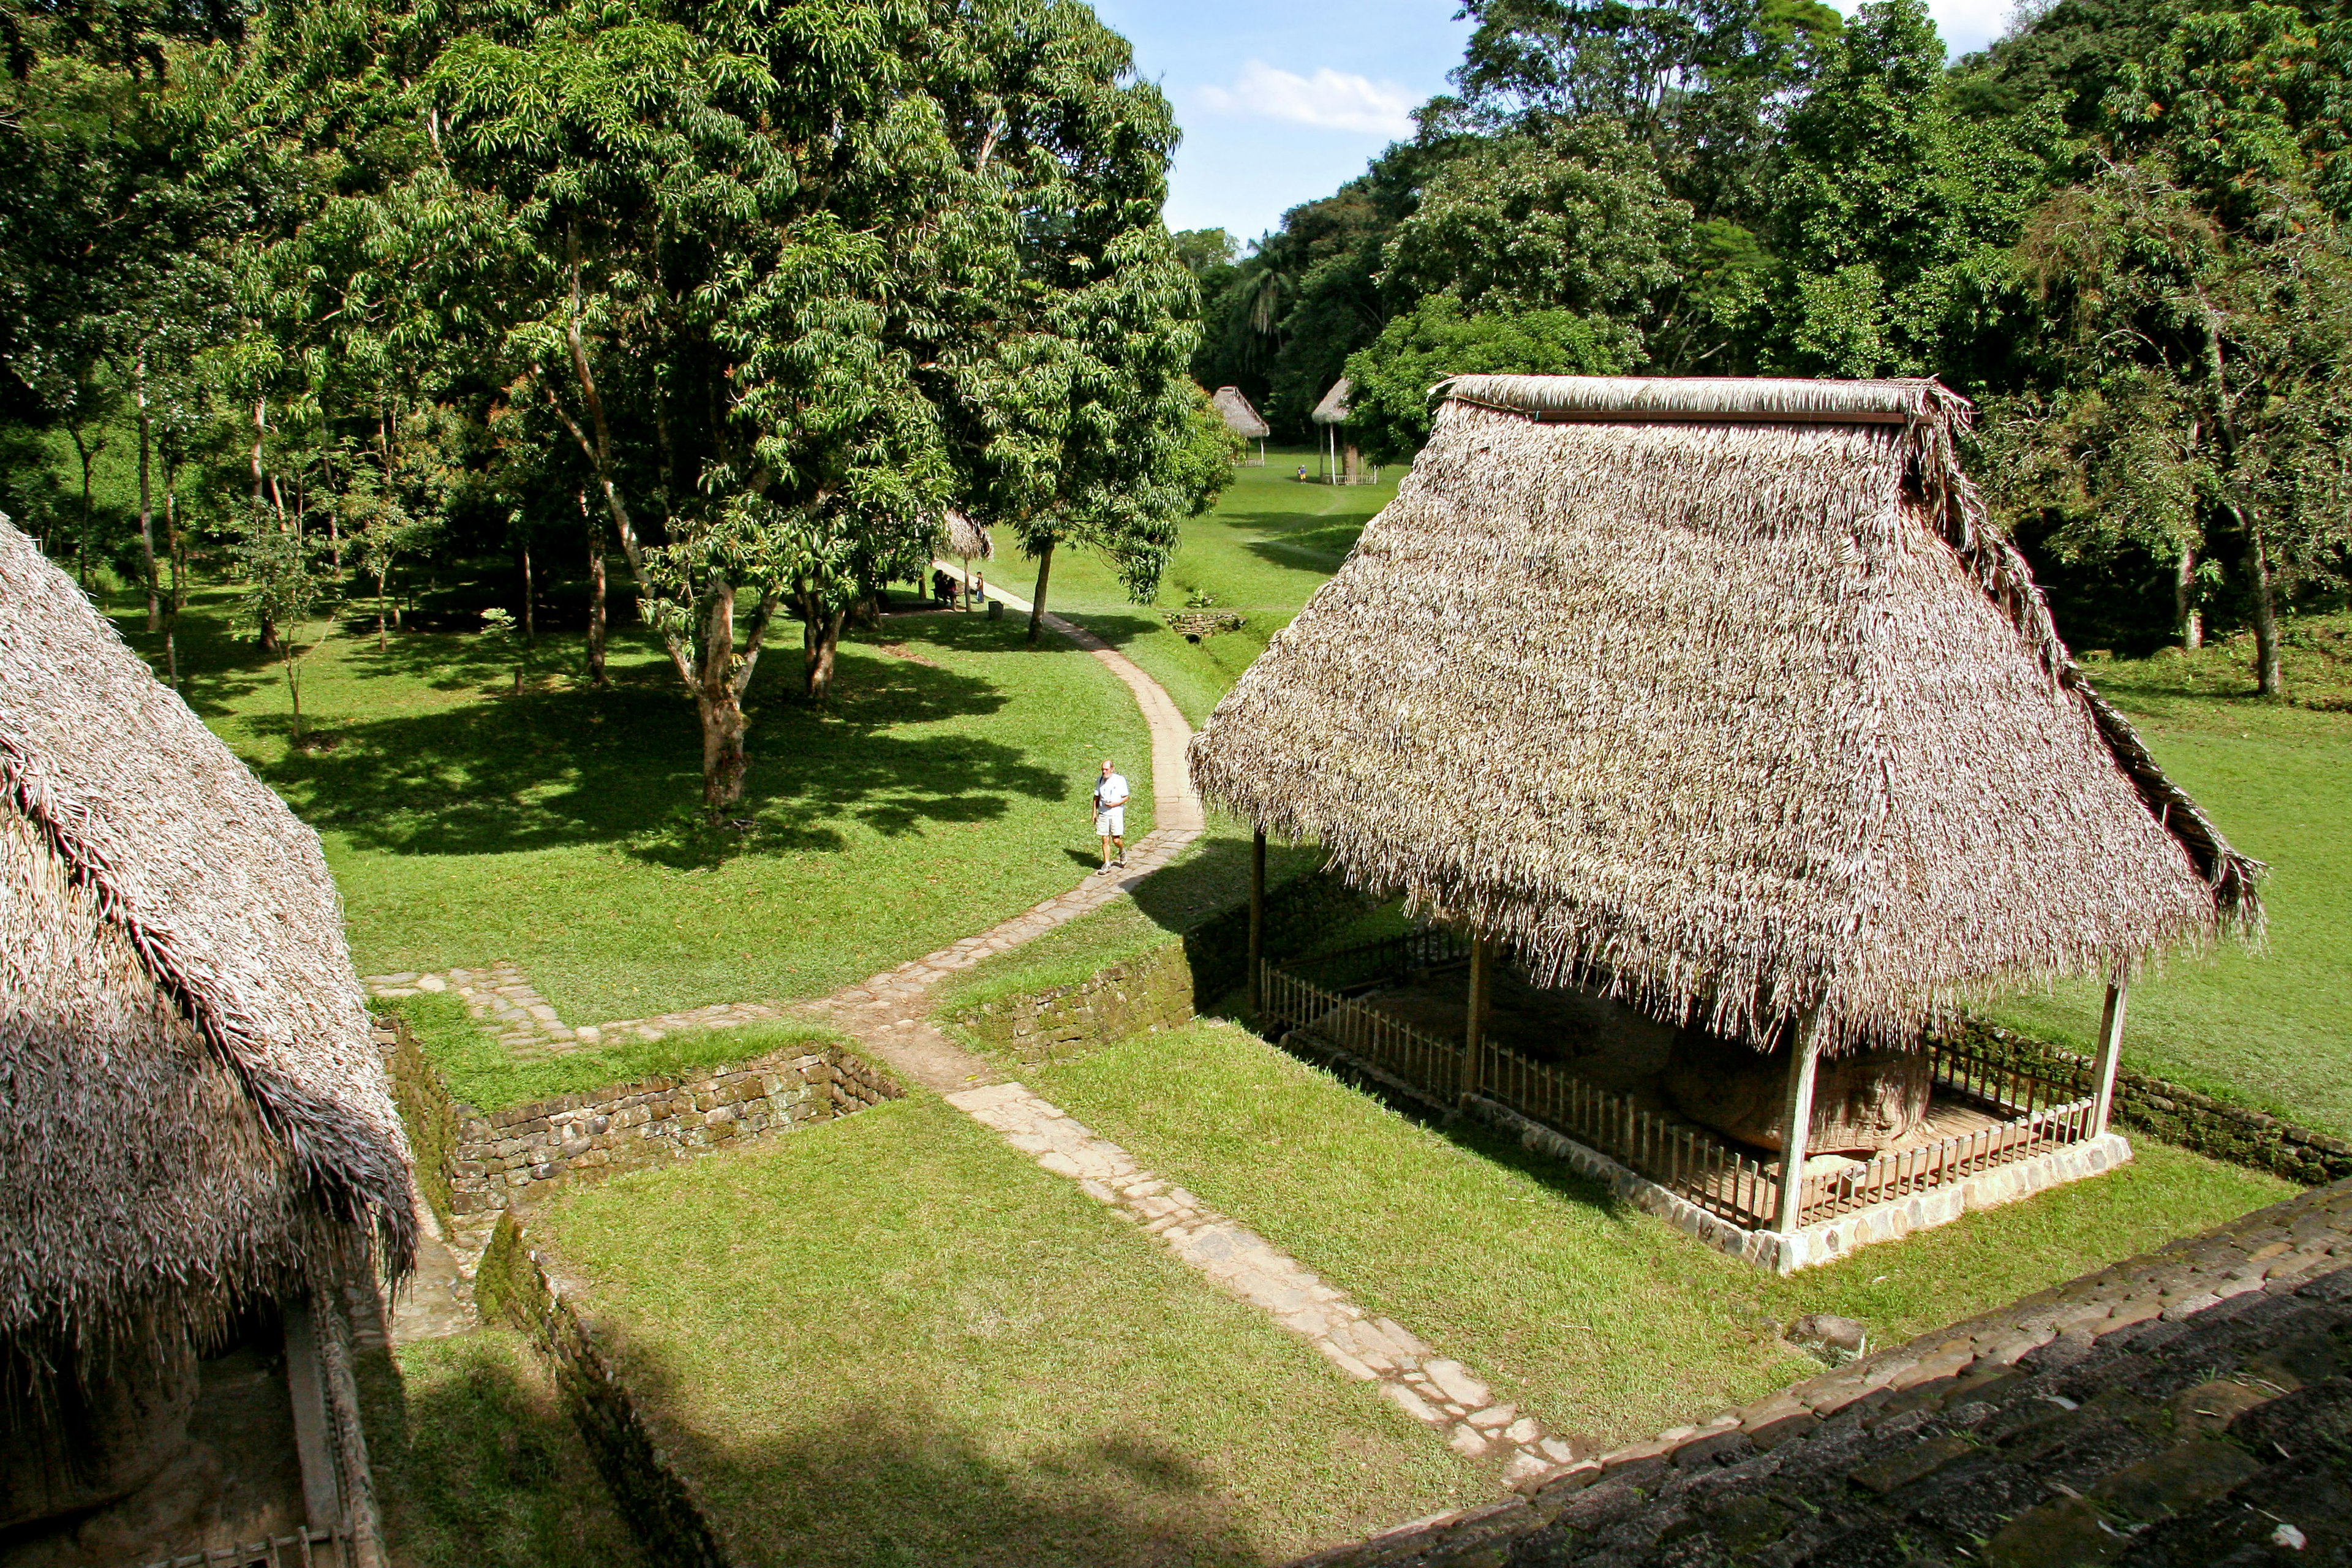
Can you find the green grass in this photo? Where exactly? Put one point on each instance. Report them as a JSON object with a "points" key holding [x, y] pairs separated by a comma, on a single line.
{"points": [[1267, 545], [944, 791], [476, 1463], [479, 1072], [1602, 1320], [894, 1339], [2271, 1027]]}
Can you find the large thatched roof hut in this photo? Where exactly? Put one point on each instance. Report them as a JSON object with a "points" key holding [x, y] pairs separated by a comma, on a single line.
{"points": [[1722, 698], [194, 1122]]}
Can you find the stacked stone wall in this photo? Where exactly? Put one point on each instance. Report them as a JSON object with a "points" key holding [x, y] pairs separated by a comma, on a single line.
{"points": [[658, 1504], [1150, 992], [500, 1156], [425, 1107]]}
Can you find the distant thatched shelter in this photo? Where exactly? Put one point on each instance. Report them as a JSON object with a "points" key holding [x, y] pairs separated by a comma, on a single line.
{"points": [[1344, 463], [194, 1122], [966, 540], [1721, 697], [1243, 418]]}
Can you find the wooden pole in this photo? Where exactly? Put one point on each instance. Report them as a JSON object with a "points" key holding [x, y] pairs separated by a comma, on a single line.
{"points": [[1797, 1118], [2111, 1043], [1257, 924], [1474, 1032]]}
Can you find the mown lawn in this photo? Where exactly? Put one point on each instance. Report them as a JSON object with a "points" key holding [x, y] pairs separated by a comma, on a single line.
{"points": [[481, 1072], [2272, 1027], [1604, 1321], [944, 790], [478, 1464], [1267, 545], [894, 1339]]}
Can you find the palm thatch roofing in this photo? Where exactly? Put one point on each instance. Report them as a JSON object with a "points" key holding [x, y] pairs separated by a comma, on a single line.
{"points": [[1337, 404], [966, 539], [1724, 697], [1240, 415], [193, 1116]]}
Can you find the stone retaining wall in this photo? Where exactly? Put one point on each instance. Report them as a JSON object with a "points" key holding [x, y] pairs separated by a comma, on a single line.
{"points": [[1150, 992], [2187, 1118], [424, 1103], [654, 1498], [500, 1156]]}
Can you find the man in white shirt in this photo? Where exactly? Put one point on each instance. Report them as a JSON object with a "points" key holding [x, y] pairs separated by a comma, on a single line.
{"points": [[1110, 814]]}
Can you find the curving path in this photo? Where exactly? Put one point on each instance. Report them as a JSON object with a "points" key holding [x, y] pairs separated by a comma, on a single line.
{"points": [[888, 1016]]}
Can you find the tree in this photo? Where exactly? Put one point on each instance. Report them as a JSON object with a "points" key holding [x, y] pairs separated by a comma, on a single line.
{"points": [[1392, 378], [2203, 385], [288, 581]]}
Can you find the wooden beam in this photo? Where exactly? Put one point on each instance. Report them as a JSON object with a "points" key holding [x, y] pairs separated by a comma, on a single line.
{"points": [[322, 1497], [1797, 1117], [2111, 1047], [1257, 924], [1474, 1031]]}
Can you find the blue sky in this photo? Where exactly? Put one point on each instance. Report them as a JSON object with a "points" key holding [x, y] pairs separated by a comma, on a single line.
{"points": [[1282, 101]]}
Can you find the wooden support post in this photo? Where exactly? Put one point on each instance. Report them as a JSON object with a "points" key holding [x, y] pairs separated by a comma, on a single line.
{"points": [[2111, 1043], [1797, 1117], [314, 1439], [1257, 924], [1474, 1032]]}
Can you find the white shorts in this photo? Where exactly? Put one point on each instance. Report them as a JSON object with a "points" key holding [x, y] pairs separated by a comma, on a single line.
{"points": [[1111, 822]]}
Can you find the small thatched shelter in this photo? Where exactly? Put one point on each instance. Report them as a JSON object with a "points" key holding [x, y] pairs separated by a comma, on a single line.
{"points": [[1242, 418], [194, 1122], [1346, 465], [966, 540], [1721, 697]]}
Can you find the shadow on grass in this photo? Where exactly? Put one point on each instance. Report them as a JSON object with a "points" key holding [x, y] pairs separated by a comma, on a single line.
{"points": [[555, 768], [476, 1463], [899, 1482]]}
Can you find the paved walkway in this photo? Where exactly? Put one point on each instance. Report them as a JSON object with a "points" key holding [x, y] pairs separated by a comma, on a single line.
{"points": [[888, 1016]]}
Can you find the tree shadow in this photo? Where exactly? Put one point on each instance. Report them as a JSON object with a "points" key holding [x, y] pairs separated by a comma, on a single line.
{"points": [[898, 1481], [562, 767]]}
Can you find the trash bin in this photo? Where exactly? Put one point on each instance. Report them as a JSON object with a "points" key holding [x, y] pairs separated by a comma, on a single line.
{"points": [[995, 609]]}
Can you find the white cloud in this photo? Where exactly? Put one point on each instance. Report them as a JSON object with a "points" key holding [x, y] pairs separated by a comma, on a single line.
{"points": [[1330, 99]]}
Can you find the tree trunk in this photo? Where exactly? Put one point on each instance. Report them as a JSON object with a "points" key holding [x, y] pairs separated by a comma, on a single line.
{"points": [[269, 638], [171, 543], [382, 642], [2187, 618], [820, 642], [294, 691], [1037, 605], [724, 759], [146, 501], [2269, 678], [595, 592], [530, 624]]}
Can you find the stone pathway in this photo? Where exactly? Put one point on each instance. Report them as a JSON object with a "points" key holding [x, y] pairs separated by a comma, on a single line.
{"points": [[888, 1016], [1440, 1394]]}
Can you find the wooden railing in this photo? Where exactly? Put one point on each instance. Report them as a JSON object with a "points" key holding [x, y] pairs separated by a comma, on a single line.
{"points": [[1690, 1161], [1390, 958], [1423, 1060]]}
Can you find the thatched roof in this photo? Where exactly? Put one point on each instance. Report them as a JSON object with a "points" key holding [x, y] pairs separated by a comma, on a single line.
{"points": [[966, 539], [1722, 696], [1241, 418], [192, 1113], [1336, 405]]}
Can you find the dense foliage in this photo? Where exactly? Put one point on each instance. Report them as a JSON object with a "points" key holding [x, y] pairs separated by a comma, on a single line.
{"points": [[757, 292], [2121, 230]]}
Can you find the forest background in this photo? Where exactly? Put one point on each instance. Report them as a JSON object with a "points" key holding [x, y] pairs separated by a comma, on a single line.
{"points": [[2119, 230], [756, 294]]}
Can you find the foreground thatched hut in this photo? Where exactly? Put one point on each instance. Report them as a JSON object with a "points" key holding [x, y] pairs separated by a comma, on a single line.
{"points": [[194, 1126], [1722, 699], [1241, 417]]}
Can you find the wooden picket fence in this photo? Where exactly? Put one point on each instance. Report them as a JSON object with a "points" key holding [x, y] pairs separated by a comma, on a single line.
{"points": [[1690, 1161]]}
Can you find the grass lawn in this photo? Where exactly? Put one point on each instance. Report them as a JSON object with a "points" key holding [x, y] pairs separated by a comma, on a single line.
{"points": [[2272, 1027], [1267, 545], [476, 1463], [1602, 1320], [894, 1339], [481, 1072], [944, 791]]}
